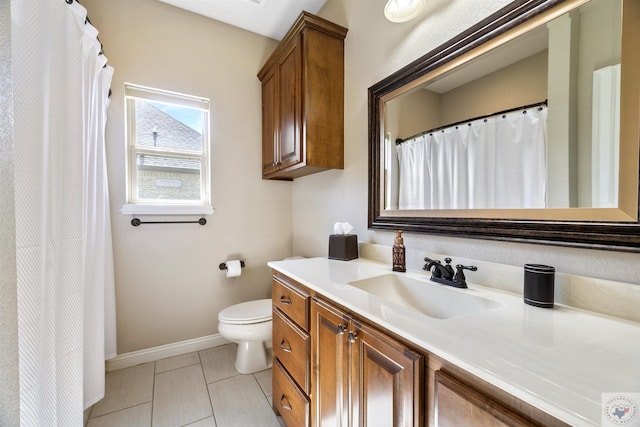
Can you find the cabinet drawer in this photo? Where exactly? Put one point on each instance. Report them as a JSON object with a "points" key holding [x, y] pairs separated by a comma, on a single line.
{"points": [[292, 302], [288, 400], [291, 345]]}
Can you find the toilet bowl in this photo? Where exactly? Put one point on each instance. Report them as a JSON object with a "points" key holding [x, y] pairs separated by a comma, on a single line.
{"points": [[249, 325]]}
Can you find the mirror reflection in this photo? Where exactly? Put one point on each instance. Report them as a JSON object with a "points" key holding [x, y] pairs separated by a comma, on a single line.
{"points": [[533, 123]]}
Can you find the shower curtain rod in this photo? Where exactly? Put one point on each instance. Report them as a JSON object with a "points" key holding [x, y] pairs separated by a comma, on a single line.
{"points": [[510, 110], [86, 20]]}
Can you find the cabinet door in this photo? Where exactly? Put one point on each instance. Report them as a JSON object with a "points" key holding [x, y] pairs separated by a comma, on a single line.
{"points": [[386, 381], [290, 104], [457, 404], [269, 123], [329, 357]]}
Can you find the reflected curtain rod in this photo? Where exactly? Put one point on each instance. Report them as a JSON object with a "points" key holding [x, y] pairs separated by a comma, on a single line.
{"points": [[510, 110]]}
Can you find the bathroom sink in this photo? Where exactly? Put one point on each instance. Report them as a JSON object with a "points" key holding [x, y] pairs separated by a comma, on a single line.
{"points": [[433, 300]]}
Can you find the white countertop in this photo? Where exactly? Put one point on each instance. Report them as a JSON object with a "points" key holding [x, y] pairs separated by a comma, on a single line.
{"points": [[559, 360]]}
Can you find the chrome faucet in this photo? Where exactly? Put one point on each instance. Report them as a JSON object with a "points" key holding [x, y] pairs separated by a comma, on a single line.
{"points": [[445, 275]]}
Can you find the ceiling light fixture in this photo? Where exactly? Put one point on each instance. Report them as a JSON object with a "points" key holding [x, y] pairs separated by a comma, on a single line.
{"points": [[402, 10]]}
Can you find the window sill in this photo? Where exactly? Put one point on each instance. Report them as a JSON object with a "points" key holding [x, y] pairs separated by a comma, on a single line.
{"points": [[133, 209]]}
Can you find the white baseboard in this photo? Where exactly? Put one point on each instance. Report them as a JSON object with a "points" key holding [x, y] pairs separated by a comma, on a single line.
{"points": [[152, 354]]}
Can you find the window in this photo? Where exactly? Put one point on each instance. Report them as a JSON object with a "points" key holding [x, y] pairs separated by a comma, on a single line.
{"points": [[167, 152]]}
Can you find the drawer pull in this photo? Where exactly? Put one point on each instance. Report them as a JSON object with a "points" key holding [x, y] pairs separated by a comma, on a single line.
{"points": [[282, 346], [352, 337], [342, 329], [285, 300], [284, 402]]}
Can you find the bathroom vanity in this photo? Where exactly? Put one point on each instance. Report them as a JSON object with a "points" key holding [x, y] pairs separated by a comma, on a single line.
{"points": [[354, 344]]}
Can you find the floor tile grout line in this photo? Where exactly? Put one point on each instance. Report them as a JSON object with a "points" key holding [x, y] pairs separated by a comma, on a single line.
{"points": [[196, 421], [206, 385], [94, 406], [179, 355], [223, 379], [120, 410], [175, 369]]}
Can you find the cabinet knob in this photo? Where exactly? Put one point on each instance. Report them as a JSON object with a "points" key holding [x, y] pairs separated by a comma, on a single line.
{"points": [[285, 300], [352, 337], [342, 329], [284, 347], [284, 402]]}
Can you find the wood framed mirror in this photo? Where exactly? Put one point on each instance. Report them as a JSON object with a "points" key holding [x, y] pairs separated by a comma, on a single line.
{"points": [[580, 63]]}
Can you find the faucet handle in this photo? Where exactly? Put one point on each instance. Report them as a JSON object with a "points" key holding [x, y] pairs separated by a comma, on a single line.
{"points": [[459, 278]]}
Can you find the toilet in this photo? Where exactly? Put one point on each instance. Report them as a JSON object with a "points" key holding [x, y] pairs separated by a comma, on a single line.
{"points": [[249, 325]]}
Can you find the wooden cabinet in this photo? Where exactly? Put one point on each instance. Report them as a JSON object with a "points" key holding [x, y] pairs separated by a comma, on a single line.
{"points": [[458, 404], [360, 376], [458, 398], [334, 369], [303, 101], [291, 347]]}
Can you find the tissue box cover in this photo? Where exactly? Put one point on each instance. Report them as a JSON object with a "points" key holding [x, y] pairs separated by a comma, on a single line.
{"points": [[343, 246]]}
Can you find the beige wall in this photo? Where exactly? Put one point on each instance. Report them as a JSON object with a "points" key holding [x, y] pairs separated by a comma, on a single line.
{"points": [[498, 91], [414, 112], [168, 285], [374, 49]]}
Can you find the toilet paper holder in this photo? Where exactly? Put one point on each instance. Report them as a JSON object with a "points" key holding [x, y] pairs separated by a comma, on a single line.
{"points": [[223, 265]]}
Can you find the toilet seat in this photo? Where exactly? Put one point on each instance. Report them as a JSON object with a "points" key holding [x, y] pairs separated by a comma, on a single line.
{"points": [[247, 312]]}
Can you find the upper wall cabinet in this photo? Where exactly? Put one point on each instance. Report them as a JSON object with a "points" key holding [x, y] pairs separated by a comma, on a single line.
{"points": [[303, 101]]}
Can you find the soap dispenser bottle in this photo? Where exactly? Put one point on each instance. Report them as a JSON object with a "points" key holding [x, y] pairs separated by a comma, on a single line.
{"points": [[399, 263]]}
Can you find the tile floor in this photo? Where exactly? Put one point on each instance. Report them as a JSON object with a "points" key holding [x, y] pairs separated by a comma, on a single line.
{"points": [[195, 389]]}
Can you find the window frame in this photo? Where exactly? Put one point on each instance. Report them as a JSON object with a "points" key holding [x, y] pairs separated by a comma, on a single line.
{"points": [[133, 204]]}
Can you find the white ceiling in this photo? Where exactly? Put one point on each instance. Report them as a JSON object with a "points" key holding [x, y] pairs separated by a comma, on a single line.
{"points": [[271, 18]]}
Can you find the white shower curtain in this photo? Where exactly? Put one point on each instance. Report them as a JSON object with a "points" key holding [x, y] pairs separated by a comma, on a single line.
{"points": [[498, 162], [66, 298]]}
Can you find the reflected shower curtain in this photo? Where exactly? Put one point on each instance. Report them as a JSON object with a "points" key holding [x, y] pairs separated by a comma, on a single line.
{"points": [[66, 298], [498, 162]]}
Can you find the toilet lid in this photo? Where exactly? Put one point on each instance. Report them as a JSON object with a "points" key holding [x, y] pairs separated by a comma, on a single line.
{"points": [[247, 312]]}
